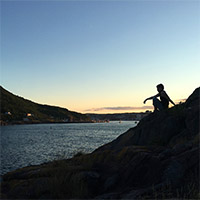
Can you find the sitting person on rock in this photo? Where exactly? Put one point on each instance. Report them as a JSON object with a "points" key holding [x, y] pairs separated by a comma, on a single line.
{"points": [[163, 103]]}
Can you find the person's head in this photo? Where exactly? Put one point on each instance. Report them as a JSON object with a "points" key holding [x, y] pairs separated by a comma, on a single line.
{"points": [[160, 87]]}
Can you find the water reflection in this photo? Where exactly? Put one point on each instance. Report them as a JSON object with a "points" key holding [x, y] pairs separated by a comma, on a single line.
{"points": [[23, 145]]}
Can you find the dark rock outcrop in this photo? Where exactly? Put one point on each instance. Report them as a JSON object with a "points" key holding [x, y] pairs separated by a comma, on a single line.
{"points": [[163, 128], [159, 158]]}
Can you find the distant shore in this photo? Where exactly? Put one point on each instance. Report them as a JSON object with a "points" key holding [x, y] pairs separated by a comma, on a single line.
{"points": [[2, 123]]}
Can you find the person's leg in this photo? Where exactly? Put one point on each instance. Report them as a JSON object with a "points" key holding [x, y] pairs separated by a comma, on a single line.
{"points": [[157, 104]]}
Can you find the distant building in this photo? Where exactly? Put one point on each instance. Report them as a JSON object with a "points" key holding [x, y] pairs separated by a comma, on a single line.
{"points": [[8, 113], [29, 115], [25, 119]]}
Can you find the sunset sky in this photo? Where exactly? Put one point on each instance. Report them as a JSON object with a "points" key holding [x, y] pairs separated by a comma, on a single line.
{"points": [[100, 56]]}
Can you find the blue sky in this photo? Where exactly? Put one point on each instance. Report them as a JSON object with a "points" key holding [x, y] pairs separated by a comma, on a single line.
{"points": [[99, 56]]}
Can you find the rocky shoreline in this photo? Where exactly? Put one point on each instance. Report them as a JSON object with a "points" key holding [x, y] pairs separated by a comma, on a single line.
{"points": [[157, 159]]}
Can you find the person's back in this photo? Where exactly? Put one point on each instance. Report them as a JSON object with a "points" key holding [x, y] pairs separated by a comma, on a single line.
{"points": [[163, 99]]}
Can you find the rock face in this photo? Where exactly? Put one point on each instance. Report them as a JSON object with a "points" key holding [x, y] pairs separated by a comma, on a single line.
{"points": [[163, 128], [159, 158]]}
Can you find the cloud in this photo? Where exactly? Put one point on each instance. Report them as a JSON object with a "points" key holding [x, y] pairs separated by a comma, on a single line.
{"points": [[127, 108], [118, 108], [180, 100]]}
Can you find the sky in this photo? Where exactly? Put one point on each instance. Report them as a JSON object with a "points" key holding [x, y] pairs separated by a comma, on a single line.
{"points": [[100, 56]]}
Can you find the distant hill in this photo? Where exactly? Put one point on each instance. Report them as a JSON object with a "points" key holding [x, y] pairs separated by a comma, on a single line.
{"points": [[15, 109], [118, 116]]}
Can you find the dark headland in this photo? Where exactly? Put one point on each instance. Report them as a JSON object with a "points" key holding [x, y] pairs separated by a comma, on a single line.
{"points": [[157, 159], [17, 110]]}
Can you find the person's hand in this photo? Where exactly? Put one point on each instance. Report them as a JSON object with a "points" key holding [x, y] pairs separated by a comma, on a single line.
{"points": [[144, 101]]}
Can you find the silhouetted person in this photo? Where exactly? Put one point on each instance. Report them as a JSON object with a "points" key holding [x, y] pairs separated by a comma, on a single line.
{"points": [[163, 103]]}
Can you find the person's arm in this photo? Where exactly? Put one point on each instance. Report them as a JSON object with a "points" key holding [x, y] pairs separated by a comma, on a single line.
{"points": [[172, 102], [164, 94], [157, 95]]}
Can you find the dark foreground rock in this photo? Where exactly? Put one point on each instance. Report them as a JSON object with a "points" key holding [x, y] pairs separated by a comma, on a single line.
{"points": [[157, 159]]}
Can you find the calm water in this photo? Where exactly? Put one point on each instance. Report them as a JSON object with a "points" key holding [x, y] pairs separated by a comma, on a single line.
{"points": [[23, 145]]}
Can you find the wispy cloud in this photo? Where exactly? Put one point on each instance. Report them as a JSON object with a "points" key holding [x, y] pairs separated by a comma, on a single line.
{"points": [[126, 108], [118, 108], [180, 100]]}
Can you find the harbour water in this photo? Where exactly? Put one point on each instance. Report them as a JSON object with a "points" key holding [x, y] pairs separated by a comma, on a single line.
{"points": [[24, 145]]}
